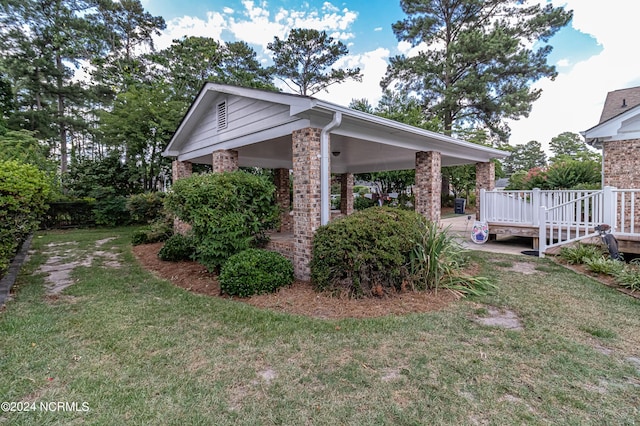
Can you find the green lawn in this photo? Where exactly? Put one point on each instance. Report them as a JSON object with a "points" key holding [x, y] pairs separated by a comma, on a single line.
{"points": [[136, 350]]}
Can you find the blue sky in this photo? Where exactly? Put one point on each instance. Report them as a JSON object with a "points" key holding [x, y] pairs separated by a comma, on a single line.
{"points": [[594, 55]]}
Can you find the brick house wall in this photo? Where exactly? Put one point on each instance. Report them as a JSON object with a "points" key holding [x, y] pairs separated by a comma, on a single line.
{"points": [[622, 170]]}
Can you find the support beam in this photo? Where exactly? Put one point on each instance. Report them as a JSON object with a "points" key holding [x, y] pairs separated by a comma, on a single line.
{"points": [[224, 161], [306, 197], [346, 194], [485, 179], [428, 184], [281, 181], [180, 170]]}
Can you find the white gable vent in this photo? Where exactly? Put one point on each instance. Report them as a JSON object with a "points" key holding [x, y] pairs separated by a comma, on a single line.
{"points": [[222, 115]]}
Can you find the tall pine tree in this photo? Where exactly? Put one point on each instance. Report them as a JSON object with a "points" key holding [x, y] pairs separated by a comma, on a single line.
{"points": [[475, 62]]}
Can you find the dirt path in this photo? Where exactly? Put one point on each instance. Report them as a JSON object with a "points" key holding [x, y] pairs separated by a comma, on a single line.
{"points": [[63, 258]]}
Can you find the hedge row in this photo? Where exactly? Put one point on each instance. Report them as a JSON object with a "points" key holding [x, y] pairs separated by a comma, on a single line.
{"points": [[24, 191]]}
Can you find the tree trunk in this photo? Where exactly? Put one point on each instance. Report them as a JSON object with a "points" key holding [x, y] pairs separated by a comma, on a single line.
{"points": [[61, 121]]}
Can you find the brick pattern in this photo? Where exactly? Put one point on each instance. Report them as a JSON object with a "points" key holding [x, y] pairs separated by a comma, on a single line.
{"points": [[306, 197], [281, 181], [428, 184], [284, 247], [179, 170], [346, 193], [224, 161], [485, 179], [622, 170]]}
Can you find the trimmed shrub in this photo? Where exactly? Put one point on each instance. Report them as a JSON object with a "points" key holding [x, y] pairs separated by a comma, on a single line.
{"points": [[229, 212], [367, 253], [178, 247], [255, 271]]}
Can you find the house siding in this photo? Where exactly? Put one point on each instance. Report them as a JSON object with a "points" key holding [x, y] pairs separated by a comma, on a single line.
{"points": [[244, 116]]}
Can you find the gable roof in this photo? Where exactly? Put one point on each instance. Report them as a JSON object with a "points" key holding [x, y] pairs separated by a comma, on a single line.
{"points": [[620, 101], [620, 119], [261, 123]]}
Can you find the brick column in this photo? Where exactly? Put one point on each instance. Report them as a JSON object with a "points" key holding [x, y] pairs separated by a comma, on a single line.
{"points": [[428, 184], [346, 193], [306, 197], [281, 180], [179, 170], [485, 179], [224, 161]]}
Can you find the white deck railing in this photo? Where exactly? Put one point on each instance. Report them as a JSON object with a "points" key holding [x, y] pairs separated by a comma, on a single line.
{"points": [[564, 216], [627, 219]]}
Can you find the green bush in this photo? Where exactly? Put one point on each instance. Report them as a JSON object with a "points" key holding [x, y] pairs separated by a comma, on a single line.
{"points": [[178, 247], [24, 191], [159, 230], [362, 202], [229, 212], [255, 271], [367, 253], [146, 208], [111, 211]]}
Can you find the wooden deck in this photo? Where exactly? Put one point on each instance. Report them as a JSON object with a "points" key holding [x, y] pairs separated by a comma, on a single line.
{"points": [[626, 243]]}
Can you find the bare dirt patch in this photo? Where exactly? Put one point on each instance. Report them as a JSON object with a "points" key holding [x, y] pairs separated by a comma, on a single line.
{"points": [[63, 258], [525, 268], [503, 318], [299, 298]]}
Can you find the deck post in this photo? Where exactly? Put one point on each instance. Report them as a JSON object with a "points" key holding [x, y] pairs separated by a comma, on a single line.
{"points": [[542, 231], [535, 204], [483, 205], [610, 206]]}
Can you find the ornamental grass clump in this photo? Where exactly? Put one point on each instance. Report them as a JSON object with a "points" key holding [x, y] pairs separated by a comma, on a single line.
{"points": [[437, 261]]}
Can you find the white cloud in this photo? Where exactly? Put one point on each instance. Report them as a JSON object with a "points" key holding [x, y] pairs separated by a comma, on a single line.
{"points": [[563, 63], [373, 66], [228, 10], [573, 102], [177, 28], [259, 27], [377, 29]]}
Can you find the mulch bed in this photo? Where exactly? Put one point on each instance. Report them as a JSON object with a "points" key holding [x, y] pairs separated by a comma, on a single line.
{"points": [[299, 298]]}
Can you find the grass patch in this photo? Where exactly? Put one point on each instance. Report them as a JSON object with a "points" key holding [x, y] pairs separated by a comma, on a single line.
{"points": [[141, 351]]}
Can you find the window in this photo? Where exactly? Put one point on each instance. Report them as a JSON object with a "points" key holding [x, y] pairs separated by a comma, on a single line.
{"points": [[222, 115]]}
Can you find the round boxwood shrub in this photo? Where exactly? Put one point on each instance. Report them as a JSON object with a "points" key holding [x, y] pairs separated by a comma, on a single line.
{"points": [[255, 271], [367, 253], [178, 247]]}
